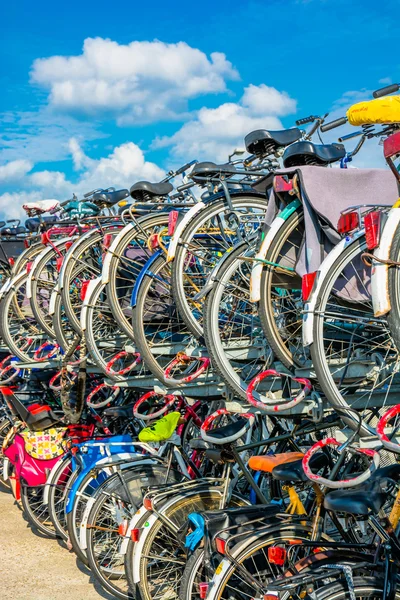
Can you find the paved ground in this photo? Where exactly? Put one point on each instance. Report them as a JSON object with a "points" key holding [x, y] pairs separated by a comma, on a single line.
{"points": [[35, 568]]}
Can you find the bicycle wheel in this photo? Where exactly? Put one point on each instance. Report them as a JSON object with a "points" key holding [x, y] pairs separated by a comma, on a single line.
{"points": [[110, 348], [163, 558], [113, 509], [160, 333], [5, 427], [36, 512], [281, 302], [393, 317], [355, 360], [18, 327], [58, 493], [209, 235], [126, 262], [230, 581], [365, 588], [42, 279], [232, 329], [83, 262]]}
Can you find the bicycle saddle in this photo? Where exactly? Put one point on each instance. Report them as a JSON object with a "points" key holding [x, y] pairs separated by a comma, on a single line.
{"points": [[144, 188], [33, 223], [293, 471], [119, 411], [268, 462], [41, 206], [109, 198], [356, 502], [210, 169], [161, 430], [263, 141], [9, 231], [228, 433], [307, 153]]}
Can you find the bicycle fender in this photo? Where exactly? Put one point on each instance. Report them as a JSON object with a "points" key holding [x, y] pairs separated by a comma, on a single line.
{"points": [[47, 250], [180, 228], [379, 271], [255, 277], [89, 291], [50, 478], [142, 275], [310, 305], [105, 274], [53, 297]]}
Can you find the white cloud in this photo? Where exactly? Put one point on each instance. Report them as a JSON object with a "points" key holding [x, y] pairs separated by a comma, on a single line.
{"points": [[14, 170], [137, 82], [125, 165], [215, 132]]}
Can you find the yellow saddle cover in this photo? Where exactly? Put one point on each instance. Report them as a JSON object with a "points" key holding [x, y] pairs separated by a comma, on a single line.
{"points": [[161, 430], [371, 112]]}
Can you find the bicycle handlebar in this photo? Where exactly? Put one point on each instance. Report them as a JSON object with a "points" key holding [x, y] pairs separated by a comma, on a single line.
{"points": [[333, 124], [388, 89]]}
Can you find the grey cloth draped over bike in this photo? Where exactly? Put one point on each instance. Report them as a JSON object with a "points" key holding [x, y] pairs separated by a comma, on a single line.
{"points": [[325, 193]]}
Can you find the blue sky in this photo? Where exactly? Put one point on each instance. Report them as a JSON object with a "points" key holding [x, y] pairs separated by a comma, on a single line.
{"points": [[138, 87]]}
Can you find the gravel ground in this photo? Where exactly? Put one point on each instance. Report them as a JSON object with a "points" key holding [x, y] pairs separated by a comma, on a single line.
{"points": [[36, 568]]}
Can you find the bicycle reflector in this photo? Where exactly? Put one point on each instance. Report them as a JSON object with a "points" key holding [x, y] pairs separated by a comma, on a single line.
{"points": [[348, 222], [123, 528], [307, 283], [11, 261], [59, 262], [172, 221], [135, 535], [277, 555], [107, 239], [203, 589], [220, 545], [147, 503], [83, 291], [372, 225]]}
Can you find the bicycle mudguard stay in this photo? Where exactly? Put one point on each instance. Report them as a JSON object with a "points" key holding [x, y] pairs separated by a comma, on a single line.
{"points": [[145, 271]]}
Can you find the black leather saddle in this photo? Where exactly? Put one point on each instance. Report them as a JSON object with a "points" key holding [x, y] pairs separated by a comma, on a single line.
{"points": [[145, 188], [209, 170], [294, 471], [307, 153], [227, 431], [109, 198], [119, 411], [11, 231], [263, 141]]}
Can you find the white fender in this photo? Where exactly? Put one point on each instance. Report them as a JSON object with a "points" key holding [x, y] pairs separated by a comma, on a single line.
{"points": [[256, 271], [52, 303], [379, 271], [92, 500], [132, 524], [46, 250], [180, 228], [50, 480], [70, 255], [309, 306], [89, 292], [110, 252], [5, 286], [6, 463]]}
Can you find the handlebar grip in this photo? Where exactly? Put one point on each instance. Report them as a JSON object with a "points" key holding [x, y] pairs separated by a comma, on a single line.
{"points": [[65, 202], [389, 89], [333, 124], [185, 186], [185, 167], [88, 194], [306, 120]]}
